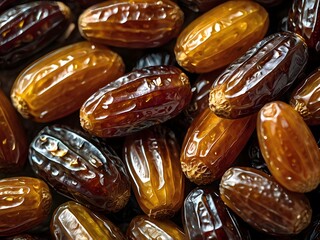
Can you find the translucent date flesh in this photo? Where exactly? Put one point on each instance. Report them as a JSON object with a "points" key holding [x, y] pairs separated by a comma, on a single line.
{"points": [[132, 24], [220, 36], [71, 221], [152, 158], [260, 201], [137, 100], [25, 202], [58, 83], [80, 169], [212, 144], [261, 75], [288, 147]]}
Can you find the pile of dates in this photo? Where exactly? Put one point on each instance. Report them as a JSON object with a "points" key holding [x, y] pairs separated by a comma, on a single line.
{"points": [[143, 119]]}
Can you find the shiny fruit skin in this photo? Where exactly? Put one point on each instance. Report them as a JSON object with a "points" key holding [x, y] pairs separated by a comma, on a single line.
{"points": [[28, 28], [212, 144], [80, 168], [136, 101], [220, 36], [71, 221], [288, 147], [261, 75], [152, 158], [132, 24], [264, 204], [58, 83], [25, 202]]}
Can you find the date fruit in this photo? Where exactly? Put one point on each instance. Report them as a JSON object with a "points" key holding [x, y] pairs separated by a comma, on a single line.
{"points": [[136, 101], [288, 147], [79, 168], [261, 75], [200, 5], [264, 204], [58, 83]]}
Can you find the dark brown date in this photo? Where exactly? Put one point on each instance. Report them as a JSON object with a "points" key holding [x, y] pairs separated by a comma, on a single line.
{"points": [[80, 169], [263, 74], [201, 5], [155, 59]]}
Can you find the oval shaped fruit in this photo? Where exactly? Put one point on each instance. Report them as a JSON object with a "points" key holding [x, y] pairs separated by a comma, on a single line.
{"points": [[261, 202], [212, 144], [152, 158], [288, 147], [306, 99], [28, 28], [80, 169], [146, 228], [220, 36], [135, 101], [71, 220], [132, 24], [263, 74], [58, 83], [13, 139], [25, 202]]}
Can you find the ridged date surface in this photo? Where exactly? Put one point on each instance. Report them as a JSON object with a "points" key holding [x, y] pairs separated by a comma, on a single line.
{"points": [[137, 100], [13, 140], [263, 203], [212, 144], [261, 75], [132, 24], [80, 169], [288, 147], [59, 83], [220, 36], [152, 157], [145, 228], [25, 202], [306, 99], [71, 221], [28, 28]]}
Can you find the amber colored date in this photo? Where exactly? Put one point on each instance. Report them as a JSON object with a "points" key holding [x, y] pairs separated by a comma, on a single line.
{"points": [[71, 220], [261, 75], [288, 147], [28, 28], [212, 144], [58, 83], [80, 169], [132, 24], [264, 204], [135, 101], [152, 157], [25, 202]]}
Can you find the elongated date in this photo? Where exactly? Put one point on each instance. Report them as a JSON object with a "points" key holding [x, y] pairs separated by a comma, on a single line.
{"points": [[261, 75], [135, 101], [80, 169], [59, 83], [25, 202]]}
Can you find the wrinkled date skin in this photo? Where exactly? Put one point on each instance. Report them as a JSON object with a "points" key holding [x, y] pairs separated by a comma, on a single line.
{"points": [[261, 75], [152, 157], [306, 99], [80, 169], [212, 144], [288, 147], [28, 28], [13, 140], [25, 202], [58, 84], [71, 221], [205, 216], [132, 24], [220, 36], [146, 228], [201, 5], [135, 101], [264, 204]]}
